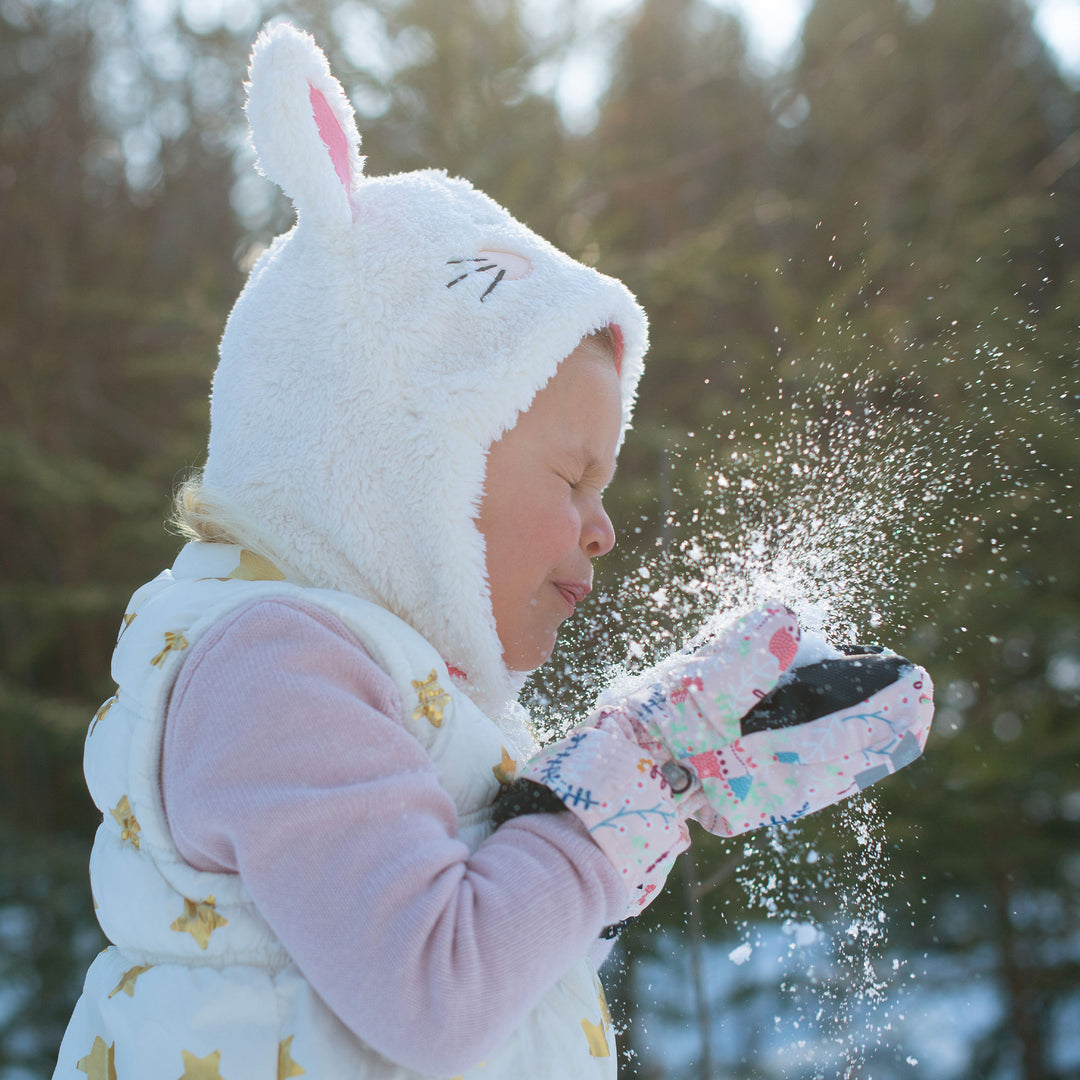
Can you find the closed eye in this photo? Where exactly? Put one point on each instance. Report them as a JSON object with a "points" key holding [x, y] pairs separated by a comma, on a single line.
{"points": [[587, 482], [585, 471]]}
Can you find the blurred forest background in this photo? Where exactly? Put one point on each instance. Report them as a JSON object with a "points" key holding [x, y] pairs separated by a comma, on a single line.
{"points": [[862, 271]]}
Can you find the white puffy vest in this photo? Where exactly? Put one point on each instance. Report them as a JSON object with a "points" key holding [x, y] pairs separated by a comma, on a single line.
{"points": [[195, 984]]}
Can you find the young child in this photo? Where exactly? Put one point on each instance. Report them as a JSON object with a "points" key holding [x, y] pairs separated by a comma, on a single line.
{"points": [[331, 846]]}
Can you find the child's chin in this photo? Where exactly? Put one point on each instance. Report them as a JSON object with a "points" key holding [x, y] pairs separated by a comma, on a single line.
{"points": [[526, 659]]}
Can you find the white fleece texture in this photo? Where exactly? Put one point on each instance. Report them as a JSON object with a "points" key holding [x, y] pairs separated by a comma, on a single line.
{"points": [[366, 369], [286, 68]]}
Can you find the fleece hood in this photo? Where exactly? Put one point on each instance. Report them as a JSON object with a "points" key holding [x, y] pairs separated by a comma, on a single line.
{"points": [[376, 352]]}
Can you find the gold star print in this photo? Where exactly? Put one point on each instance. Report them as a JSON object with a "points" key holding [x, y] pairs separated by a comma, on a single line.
{"points": [[433, 700], [127, 980], [129, 618], [598, 1046], [206, 1068], [286, 1067], [98, 1064], [175, 641], [103, 711], [605, 1012], [255, 568], [504, 771], [129, 827], [199, 920]]}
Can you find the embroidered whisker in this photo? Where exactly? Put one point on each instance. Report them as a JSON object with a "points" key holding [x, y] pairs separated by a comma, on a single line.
{"points": [[485, 264], [498, 277]]}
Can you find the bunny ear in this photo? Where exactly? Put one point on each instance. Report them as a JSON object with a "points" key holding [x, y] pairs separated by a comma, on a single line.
{"points": [[302, 125]]}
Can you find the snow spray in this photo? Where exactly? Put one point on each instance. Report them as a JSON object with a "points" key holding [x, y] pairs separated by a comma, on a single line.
{"points": [[845, 495]]}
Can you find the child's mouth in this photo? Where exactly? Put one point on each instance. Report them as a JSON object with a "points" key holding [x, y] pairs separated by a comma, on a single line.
{"points": [[573, 592]]}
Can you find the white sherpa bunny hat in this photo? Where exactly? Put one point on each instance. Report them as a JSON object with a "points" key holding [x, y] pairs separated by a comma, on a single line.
{"points": [[376, 352]]}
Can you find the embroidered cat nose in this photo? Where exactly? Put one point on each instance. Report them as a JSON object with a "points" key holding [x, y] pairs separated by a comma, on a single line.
{"points": [[513, 267]]}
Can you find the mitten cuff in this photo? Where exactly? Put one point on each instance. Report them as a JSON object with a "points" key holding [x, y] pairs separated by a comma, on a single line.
{"points": [[622, 798], [525, 797]]}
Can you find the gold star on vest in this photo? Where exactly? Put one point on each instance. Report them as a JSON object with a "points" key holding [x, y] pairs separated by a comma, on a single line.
{"points": [[199, 920], [255, 568], [598, 1046], [98, 1064], [103, 711], [286, 1067], [207, 1068], [605, 1012], [129, 618], [173, 641], [127, 980], [129, 827], [504, 771], [433, 700]]}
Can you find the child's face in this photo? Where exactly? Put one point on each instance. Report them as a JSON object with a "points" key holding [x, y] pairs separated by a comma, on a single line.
{"points": [[542, 517]]}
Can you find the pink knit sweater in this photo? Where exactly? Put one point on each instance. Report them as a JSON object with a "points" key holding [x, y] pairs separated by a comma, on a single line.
{"points": [[284, 761]]}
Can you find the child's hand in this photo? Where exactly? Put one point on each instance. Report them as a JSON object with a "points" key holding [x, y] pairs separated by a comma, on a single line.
{"points": [[620, 795], [745, 745], [615, 772]]}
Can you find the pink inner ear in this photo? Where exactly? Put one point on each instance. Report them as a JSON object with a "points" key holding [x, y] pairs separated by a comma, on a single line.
{"points": [[332, 135]]}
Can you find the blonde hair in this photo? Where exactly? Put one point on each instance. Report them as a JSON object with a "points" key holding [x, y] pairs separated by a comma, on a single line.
{"points": [[198, 514], [194, 517]]}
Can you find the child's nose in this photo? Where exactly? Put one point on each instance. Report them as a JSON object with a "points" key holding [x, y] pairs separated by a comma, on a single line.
{"points": [[598, 535]]}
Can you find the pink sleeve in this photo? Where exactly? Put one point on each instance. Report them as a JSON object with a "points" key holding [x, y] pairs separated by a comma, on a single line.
{"points": [[284, 761]]}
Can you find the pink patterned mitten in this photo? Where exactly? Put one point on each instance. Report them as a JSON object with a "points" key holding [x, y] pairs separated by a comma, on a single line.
{"points": [[743, 744]]}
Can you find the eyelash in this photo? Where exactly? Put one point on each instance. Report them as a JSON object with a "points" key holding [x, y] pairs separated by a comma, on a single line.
{"points": [[581, 479], [575, 485]]}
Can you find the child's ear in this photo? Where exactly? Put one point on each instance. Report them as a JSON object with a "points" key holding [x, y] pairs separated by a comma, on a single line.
{"points": [[303, 126]]}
